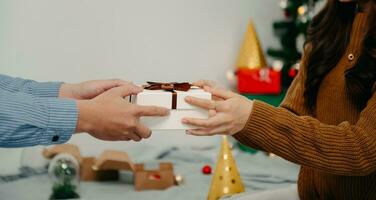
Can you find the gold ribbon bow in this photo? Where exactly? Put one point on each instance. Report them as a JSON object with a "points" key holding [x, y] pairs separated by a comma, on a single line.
{"points": [[171, 87]]}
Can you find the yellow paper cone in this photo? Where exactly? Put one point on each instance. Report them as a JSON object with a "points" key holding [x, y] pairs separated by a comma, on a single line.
{"points": [[226, 179], [251, 54]]}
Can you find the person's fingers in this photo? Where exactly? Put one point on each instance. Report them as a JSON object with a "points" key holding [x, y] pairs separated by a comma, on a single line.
{"points": [[206, 123], [212, 113], [202, 83], [125, 138], [200, 132], [142, 131], [111, 83], [216, 98], [111, 138], [199, 83], [224, 94], [202, 103], [134, 137], [152, 111], [220, 130], [125, 90], [120, 81]]}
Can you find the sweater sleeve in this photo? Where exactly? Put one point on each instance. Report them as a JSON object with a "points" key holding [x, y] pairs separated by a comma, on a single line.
{"points": [[39, 89], [343, 149], [294, 102]]}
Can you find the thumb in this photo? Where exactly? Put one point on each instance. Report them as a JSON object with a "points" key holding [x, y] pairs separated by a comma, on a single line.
{"points": [[125, 90]]}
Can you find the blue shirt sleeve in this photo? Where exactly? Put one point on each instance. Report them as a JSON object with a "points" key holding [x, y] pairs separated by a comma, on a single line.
{"points": [[27, 120], [40, 89]]}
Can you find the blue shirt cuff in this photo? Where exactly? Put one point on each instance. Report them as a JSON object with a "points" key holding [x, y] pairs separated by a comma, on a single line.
{"points": [[45, 89], [62, 121]]}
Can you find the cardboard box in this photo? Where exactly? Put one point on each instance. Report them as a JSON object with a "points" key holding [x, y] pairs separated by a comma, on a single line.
{"points": [[113, 160], [177, 105], [86, 169], [110, 161], [154, 179]]}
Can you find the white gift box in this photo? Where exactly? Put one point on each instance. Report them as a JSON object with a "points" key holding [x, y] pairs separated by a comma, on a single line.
{"points": [[164, 98]]}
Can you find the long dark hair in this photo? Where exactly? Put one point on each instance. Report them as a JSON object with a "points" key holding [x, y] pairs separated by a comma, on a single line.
{"points": [[328, 38]]}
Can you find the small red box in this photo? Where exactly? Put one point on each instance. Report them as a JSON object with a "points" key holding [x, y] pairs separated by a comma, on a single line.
{"points": [[259, 81]]}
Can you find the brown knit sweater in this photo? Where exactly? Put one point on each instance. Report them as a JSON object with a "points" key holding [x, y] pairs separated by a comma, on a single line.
{"points": [[336, 147]]}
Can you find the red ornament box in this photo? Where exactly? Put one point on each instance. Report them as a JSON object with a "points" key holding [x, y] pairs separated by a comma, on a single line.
{"points": [[259, 81]]}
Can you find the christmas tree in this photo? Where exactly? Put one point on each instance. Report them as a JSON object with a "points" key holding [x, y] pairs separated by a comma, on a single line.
{"points": [[226, 179], [64, 171], [298, 14]]}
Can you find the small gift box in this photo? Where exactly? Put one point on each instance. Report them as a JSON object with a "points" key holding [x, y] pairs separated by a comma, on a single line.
{"points": [[171, 96], [259, 81]]}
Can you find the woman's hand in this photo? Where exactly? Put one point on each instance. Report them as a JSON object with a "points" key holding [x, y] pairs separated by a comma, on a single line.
{"points": [[88, 89], [210, 84], [228, 112], [110, 117]]}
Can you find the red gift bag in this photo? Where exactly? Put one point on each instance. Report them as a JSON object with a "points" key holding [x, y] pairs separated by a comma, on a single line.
{"points": [[259, 81]]}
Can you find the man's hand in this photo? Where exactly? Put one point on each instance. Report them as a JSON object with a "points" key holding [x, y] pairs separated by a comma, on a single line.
{"points": [[110, 117], [88, 89]]}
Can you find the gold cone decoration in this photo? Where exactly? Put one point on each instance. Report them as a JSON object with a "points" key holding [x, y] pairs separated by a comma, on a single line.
{"points": [[226, 179], [251, 54]]}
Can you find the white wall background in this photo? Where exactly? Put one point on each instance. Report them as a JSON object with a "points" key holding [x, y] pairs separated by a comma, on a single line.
{"points": [[138, 40]]}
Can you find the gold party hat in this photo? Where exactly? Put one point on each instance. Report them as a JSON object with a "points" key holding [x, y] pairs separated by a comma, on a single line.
{"points": [[251, 54], [226, 179]]}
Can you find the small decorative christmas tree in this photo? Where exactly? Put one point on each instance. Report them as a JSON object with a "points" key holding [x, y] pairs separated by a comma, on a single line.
{"points": [[253, 74], [63, 171], [298, 15], [251, 55], [226, 179], [64, 190]]}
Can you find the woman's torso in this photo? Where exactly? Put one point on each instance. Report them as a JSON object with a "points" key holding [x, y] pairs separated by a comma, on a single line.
{"points": [[334, 106]]}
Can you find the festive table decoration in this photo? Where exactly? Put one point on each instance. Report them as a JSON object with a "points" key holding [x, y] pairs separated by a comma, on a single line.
{"points": [[64, 172], [86, 163], [179, 179], [226, 179], [113, 160], [155, 179], [253, 75], [259, 81], [251, 55], [109, 164], [66, 148], [171, 96], [206, 170]]}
